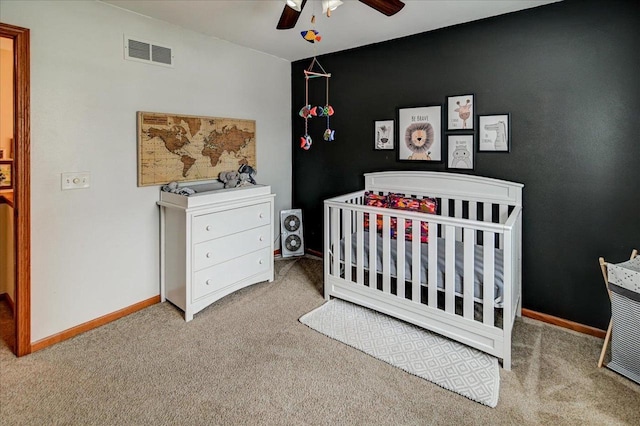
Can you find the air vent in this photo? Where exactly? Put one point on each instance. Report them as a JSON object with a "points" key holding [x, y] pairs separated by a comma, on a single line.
{"points": [[161, 54], [139, 50], [148, 52]]}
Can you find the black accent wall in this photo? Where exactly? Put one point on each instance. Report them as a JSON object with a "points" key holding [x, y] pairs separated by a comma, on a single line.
{"points": [[569, 74]]}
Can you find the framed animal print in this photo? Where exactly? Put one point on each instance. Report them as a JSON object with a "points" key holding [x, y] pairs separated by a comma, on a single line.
{"points": [[461, 152], [460, 112], [494, 133], [420, 133], [383, 135]]}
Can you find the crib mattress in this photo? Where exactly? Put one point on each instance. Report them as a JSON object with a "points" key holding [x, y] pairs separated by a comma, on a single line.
{"points": [[424, 262]]}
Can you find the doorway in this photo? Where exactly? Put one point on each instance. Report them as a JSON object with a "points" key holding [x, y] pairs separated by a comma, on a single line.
{"points": [[20, 178], [7, 275]]}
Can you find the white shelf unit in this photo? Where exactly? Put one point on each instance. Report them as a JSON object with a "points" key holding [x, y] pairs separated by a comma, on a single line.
{"points": [[213, 243]]}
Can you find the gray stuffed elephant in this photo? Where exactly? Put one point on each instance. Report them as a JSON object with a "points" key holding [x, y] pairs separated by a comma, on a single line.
{"points": [[230, 178]]}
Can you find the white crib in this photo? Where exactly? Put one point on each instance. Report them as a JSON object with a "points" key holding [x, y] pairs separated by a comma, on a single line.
{"points": [[475, 238]]}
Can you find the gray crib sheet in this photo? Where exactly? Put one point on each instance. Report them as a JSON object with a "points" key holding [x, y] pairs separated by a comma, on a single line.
{"points": [[424, 262]]}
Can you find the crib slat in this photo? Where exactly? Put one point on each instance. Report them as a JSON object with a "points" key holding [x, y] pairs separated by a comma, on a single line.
{"points": [[450, 265], [517, 285], [488, 279], [473, 210], [373, 251], [400, 244], [433, 264], [487, 211], [335, 240], [508, 268], [503, 215], [468, 279], [457, 205], [386, 255], [415, 265], [503, 210], [473, 215], [444, 207], [360, 248], [348, 242]]}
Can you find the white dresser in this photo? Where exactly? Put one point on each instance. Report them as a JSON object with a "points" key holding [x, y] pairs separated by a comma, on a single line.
{"points": [[213, 243]]}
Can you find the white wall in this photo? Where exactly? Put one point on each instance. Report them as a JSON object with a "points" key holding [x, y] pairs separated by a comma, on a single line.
{"points": [[95, 251]]}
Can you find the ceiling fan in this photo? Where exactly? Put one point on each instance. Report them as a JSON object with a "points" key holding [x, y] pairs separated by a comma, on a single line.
{"points": [[290, 14]]}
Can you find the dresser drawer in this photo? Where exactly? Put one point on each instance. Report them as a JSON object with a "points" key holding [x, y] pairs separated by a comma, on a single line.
{"points": [[223, 274], [220, 250], [227, 222]]}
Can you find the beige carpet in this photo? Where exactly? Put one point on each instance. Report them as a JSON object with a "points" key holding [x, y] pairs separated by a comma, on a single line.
{"points": [[247, 360]]}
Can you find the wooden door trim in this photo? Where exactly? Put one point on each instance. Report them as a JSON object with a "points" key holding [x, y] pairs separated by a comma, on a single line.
{"points": [[22, 185]]}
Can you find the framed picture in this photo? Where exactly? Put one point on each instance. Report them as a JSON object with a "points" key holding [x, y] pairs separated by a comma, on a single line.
{"points": [[420, 133], [187, 148], [494, 133], [460, 112], [461, 152], [383, 135], [6, 172]]}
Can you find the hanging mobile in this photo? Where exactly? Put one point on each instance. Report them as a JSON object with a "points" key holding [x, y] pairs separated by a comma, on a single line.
{"points": [[308, 111]]}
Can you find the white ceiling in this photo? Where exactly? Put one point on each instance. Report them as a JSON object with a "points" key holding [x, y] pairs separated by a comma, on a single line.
{"points": [[252, 23]]}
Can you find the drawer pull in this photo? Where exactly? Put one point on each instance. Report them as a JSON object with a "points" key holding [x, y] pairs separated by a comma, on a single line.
{"points": [[208, 254], [208, 282], [261, 215], [261, 261], [261, 238], [208, 228]]}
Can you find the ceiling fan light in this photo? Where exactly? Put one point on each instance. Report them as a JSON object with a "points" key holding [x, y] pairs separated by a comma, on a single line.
{"points": [[330, 5], [295, 4]]}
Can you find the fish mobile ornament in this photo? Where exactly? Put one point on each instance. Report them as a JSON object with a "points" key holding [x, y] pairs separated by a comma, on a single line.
{"points": [[308, 111], [312, 36], [329, 135], [305, 142]]}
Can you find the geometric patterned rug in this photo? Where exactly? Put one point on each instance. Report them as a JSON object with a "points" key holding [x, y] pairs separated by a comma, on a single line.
{"points": [[449, 364]]}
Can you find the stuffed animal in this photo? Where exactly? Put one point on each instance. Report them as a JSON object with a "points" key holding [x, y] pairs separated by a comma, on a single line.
{"points": [[244, 179], [174, 188], [229, 178], [245, 168], [419, 138]]}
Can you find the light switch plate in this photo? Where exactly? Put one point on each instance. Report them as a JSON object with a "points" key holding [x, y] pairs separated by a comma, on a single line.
{"points": [[76, 180]]}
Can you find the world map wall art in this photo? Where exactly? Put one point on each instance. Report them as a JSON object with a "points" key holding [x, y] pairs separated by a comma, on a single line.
{"points": [[181, 148]]}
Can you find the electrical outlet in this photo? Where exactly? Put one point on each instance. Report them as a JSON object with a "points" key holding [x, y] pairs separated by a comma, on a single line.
{"points": [[76, 180]]}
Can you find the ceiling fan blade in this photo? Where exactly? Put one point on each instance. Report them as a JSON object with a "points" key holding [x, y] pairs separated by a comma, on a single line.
{"points": [[388, 7], [289, 17]]}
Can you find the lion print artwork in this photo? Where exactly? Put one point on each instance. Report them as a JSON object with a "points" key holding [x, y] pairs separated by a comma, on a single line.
{"points": [[419, 138]]}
